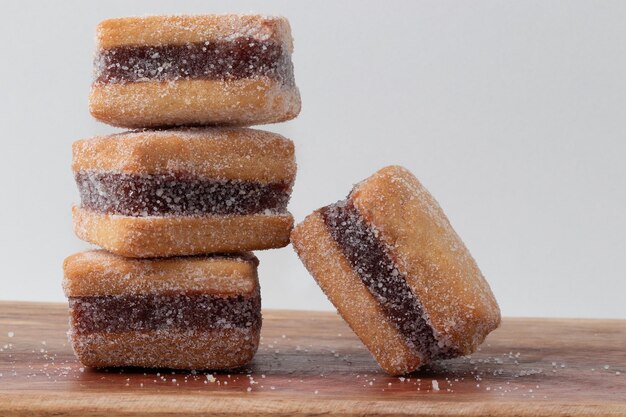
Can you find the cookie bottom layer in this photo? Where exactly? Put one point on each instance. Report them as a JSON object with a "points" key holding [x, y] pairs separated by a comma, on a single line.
{"points": [[149, 104], [146, 237], [176, 349], [322, 256]]}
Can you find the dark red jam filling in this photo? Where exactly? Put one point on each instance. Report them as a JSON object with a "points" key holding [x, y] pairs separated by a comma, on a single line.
{"points": [[243, 57], [182, 312], [370, 259], [177, 194]]}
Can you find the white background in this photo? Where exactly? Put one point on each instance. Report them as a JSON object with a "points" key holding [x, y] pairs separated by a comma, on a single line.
{"points": [[512, 113]]}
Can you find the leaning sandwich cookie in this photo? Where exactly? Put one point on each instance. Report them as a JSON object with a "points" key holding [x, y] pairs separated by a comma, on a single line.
{"points": [[389, 260]]}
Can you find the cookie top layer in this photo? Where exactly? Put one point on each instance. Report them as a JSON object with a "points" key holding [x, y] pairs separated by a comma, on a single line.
{"points": [[220, 153], [186, 29], [100, 273], [439, 269]]}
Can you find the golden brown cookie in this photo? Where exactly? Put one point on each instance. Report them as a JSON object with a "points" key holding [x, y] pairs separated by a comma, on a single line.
{"points": [[389, 260], [184, 191], [160, 71], [183, 313]]}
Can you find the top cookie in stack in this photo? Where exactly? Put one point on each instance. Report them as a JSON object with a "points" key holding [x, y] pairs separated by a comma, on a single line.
{"points": [[161, 71]]}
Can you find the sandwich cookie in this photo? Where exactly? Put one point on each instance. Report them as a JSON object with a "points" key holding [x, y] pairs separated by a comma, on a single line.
{"points": [[159, 71], [182, 313], [184, 191], [397, 272]]}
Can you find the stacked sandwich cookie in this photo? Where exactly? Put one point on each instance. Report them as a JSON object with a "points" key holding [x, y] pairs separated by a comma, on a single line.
{"points": [[184, 191], [195, 312], [178, 209], [194, 70]]}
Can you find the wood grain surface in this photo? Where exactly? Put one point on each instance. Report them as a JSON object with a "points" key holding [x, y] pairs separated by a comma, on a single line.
{"points": [[312, 364]]}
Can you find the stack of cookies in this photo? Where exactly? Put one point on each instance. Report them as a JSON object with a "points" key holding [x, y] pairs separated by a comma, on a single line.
{"points": [[177, 205]]}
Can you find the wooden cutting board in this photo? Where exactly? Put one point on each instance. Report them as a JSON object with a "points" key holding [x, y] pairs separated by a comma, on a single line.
{"points": [[312, 364]]}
